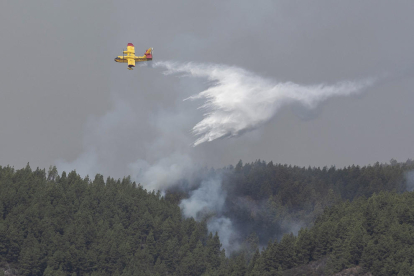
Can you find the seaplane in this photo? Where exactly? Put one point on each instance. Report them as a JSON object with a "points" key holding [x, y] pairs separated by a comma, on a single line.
{"points": [[130, 57]]}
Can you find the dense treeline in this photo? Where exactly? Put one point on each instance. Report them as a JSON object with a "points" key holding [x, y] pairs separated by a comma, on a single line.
{"points": [[272, 199], [53, 224], [66, 225], [375, 233], [260, 179]]}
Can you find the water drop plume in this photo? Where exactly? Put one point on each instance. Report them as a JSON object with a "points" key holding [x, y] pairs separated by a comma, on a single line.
{"points": [[238, 100]]}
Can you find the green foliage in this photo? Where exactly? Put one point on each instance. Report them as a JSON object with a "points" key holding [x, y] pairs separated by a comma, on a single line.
{"points": [[67, 225], [273, 199], [376, 233], [53, 224]]}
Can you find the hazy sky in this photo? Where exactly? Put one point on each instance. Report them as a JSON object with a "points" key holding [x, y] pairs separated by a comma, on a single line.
{"points": [[65, 101]]}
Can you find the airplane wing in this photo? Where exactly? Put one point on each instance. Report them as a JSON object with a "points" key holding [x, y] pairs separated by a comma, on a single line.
{"points": [[130, 50], [127, 55]]}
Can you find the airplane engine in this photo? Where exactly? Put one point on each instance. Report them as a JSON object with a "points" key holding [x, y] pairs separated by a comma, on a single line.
{"points": [[131, 63]]}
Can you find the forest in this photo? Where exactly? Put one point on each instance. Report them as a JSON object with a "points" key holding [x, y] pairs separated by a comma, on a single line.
{"points": [[288, 219]]}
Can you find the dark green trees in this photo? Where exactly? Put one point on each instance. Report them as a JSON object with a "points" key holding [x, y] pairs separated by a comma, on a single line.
{"points": [[376, 233], [67, 225]]}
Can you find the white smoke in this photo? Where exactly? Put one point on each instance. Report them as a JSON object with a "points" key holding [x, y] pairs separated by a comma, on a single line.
{"points": [[208, 201], [409, 178], [208, 198], [239, 100], [102, 142], [164, 173], [227, 233]]}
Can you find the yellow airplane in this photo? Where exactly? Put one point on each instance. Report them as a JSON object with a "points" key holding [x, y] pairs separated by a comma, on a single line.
{"points": [[130, 57]]}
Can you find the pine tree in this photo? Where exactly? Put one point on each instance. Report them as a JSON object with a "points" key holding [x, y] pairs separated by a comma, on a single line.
{"points": [[304, 246], [213, 253]]}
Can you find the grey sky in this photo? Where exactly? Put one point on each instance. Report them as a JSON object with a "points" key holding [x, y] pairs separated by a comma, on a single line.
{"points": [[63, 96]]}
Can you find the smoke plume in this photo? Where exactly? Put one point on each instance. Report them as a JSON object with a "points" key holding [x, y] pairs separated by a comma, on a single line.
{"points": [[208, 202], [157, 152], [409, 178], [239, 100]]}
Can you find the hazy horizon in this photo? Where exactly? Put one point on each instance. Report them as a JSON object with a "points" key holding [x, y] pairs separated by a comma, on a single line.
{"points": [[65, 101]]}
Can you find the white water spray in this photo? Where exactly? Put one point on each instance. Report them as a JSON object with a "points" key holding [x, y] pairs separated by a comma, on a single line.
{"points": [[239, 100]]}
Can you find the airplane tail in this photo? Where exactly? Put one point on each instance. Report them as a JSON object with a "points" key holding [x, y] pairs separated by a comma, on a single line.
{"points": [[148, 53]]}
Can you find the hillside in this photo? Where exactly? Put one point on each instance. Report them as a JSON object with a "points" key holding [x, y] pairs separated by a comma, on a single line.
{"points": [[66, 225], [269, 200], [375, 233], [355, 219]]}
